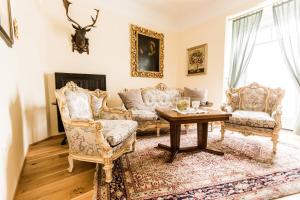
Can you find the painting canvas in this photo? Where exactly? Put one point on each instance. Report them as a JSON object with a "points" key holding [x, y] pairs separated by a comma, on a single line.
{"points": [[197, 60], [146, 52], [6, 31]]}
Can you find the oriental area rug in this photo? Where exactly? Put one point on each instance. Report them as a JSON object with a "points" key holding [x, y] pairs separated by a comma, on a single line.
{"points": [[246, 171]]}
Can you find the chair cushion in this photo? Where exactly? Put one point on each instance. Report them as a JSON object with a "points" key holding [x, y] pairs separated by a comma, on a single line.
{"points": [[116, 131], [252, 118], [78, 103], [143, 115]]}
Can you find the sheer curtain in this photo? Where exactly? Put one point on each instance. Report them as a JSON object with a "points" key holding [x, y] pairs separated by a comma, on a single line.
{"points": [[287, 22], [244, 31]]}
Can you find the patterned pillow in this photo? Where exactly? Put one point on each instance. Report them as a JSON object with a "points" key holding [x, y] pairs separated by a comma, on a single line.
{"points": [[79, 105], [197, 94], [132, 100]]}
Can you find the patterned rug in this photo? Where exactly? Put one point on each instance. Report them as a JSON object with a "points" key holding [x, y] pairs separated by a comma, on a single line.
{"points": [[246, 171]]}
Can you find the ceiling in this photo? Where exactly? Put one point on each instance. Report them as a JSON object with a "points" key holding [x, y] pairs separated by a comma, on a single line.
{"points": [[191, 11], [176, 9]]}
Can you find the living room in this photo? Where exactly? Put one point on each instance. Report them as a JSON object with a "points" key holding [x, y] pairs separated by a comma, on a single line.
{"points": [[39, 48]]}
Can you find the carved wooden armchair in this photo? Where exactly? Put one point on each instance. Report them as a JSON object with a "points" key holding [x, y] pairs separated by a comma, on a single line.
{"points": [[255, 110], [95, 132]]}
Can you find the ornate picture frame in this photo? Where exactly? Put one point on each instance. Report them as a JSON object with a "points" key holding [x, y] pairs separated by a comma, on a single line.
{"points": [[147, 52], [197, 60], [6, 28]]}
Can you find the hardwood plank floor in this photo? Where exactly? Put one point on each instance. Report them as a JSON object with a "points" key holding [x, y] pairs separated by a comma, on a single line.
{"points": [[45, 174]]}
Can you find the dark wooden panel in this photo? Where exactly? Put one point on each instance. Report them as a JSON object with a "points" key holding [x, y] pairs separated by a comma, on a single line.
{"points": [[87, 81]]}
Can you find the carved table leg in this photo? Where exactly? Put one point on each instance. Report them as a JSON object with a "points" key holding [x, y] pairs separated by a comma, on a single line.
{"points": [[174, 141], [202, 133]]}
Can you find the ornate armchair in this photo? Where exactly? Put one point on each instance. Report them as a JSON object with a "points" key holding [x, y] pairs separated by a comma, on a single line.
{"points": [[95, 132], [255, 110]]}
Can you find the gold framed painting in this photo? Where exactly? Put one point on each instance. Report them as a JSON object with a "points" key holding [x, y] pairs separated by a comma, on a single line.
{"points": [[6, 29], [147, 52], [197, 60]]}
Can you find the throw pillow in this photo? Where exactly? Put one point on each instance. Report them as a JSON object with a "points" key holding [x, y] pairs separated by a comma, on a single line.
{"points": [[132, 100], [79, 105]]}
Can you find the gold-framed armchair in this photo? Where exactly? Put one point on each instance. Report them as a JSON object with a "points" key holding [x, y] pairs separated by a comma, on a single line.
{"points": [[95, 132], [255, 110]]}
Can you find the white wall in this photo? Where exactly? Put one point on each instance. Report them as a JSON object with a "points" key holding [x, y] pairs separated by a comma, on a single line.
{"points": [[12, 148], [23, 110], [109, 47], [211, 32]]}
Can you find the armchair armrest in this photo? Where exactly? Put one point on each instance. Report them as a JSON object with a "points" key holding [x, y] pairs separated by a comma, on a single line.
{"points": [[276, 115], [90, 133], [227, 108], [115, 114]]}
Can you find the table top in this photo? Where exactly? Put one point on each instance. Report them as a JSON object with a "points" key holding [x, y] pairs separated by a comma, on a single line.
{"points": [[210, 116]]}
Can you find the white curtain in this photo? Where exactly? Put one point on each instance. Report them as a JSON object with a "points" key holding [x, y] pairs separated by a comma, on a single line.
{"points": [[244, 32], [287, 22]]}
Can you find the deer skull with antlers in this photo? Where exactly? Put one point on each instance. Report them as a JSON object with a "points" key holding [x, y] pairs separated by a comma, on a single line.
{"points": [[79, 41]]}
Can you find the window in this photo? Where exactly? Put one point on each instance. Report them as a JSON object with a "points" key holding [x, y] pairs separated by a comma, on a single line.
{"points": [[267, 67]]}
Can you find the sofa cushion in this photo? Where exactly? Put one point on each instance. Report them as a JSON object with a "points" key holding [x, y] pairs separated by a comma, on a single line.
{"points": [[143, 115], [155, 98], [116, 131], [132, 99], [252, 118], [197, 94], [78, 103]]}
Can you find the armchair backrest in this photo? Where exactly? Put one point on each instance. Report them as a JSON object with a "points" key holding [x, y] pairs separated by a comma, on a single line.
{"points": [[255, 97], [160, 96], [76, 103]]}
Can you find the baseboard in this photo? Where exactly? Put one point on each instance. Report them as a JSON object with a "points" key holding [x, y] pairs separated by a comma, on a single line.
{"points": [[20, 174], [48, 138]]}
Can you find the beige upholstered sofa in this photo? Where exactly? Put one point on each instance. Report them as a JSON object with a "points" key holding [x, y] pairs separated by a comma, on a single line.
{"points": [[255, 111], [143, 102], [151, 98], [95, 133]]}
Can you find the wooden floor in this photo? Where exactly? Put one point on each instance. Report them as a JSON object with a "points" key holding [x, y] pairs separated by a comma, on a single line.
{"points": [[45, 174]]}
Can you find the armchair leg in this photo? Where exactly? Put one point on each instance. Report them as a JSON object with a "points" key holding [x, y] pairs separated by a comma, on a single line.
{"points": [[158, 129], [108, 170], [71, 164], [275, 141], [222, 131]]}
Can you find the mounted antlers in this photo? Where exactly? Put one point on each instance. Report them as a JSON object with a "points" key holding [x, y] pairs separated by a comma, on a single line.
{"points": [[93, 19], [79, 41]]}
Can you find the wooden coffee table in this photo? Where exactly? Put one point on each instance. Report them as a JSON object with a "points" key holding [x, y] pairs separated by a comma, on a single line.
{"points": [[176, 119]]}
